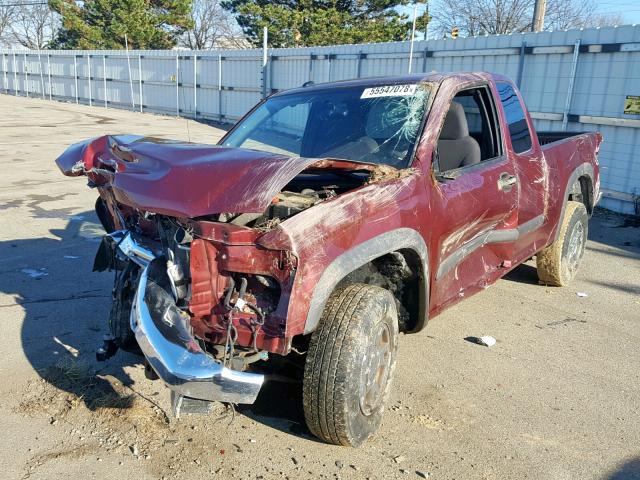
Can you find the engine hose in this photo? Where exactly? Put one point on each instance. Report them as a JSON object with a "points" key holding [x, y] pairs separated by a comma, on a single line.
{"points": [[227, 297]]}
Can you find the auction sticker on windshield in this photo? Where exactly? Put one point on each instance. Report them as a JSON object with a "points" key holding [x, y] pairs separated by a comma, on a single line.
{"points": [[389, 91]]}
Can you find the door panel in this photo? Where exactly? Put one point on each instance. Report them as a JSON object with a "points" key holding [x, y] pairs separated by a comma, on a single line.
{"points": [[478, 235], [531, 167]]}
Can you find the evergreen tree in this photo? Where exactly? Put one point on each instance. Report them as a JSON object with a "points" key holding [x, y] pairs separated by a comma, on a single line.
{"points": [[294, 23], [103, 24]]}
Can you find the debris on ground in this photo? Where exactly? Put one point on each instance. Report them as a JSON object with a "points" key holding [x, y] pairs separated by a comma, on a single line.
{"points": [[484, 340], [72, 351], [33, 273], [487, 341], [582, 294]]}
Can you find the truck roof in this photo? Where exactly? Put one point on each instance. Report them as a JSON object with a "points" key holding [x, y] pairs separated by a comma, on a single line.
{"points": [[434, 77]]}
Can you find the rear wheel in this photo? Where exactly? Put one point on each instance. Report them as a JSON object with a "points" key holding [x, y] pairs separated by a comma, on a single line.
{"points": [[558, 263], [350, 365]]}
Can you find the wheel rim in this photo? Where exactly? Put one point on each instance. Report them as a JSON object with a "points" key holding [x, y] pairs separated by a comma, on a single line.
{"points": [[575, 249], [375, 370]]}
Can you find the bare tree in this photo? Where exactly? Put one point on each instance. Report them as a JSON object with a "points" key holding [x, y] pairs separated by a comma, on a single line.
{"points": [[566, 14], [34, 25], [480, 17], [7, 14], [212, 27]]}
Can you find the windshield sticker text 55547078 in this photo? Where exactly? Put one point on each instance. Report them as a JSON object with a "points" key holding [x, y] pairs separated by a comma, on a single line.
{"points": [[389, 91]]}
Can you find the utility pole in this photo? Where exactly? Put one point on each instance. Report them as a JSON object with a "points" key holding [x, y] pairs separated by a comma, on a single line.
{"points": [[538, 15], [426, 26]]}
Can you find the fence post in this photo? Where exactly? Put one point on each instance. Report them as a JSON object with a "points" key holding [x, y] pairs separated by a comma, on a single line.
{"points": [[104, 79], [359, 65], [4, 72], [26, 75], [75, 74], [574, 65], [41, 74], [195, 85], [523, 46], [15, 74], [270, 76], [140, 81], [425, 55], [89, 65], [177, 84], [49, 75], [220, 88]]}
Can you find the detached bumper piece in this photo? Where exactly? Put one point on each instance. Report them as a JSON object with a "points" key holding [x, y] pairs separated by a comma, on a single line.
{"points": [[164, 334]]}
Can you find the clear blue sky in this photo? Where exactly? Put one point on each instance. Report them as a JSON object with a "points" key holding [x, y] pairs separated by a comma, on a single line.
{"points": [[628, 9]]}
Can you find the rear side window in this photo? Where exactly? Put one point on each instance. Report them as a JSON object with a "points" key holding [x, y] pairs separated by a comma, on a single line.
{"points": [[518, 128]]}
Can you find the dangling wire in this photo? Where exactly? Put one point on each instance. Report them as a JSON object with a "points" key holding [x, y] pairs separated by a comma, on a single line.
{"points": [[229, 344]]}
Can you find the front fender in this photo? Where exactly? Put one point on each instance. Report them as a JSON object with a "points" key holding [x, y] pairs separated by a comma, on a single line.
{"points": [[356, 257]]}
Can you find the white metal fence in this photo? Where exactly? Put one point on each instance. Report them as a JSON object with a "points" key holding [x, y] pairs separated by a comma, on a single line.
{"points": [[578, 80]]}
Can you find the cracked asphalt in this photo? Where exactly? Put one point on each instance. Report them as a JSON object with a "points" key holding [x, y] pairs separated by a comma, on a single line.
{"points": [[558, 396]]}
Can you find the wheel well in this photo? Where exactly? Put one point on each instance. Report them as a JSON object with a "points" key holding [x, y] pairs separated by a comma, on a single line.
{"points": [[401, 273], [582, 191]]}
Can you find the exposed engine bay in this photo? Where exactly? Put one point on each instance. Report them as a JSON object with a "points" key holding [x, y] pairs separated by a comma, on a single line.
{"points": [[303, 192]]}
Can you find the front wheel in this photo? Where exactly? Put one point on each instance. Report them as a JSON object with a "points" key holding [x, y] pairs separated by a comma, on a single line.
{"points": [[558, 263], [350, 365]]}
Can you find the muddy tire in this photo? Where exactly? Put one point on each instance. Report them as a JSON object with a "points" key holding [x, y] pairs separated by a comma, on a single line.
{"points": [[350, 363], [558, 263]]}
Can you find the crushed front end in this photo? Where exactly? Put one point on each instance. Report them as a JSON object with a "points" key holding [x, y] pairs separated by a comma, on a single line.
{"points": [[197, 287], [209, 302]]}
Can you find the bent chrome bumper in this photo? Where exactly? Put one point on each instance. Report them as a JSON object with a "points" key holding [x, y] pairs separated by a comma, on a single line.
{"points": [[164, 334]]}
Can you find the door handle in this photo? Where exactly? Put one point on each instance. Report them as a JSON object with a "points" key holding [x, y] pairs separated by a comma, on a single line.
{"points": [[507, 181]]}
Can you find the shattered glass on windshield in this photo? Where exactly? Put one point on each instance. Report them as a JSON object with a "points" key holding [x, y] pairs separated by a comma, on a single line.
{"points": [[376, 125]]}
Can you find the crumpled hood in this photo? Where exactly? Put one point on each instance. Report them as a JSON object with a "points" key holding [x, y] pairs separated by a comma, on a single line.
{"points": [[182, 179]]}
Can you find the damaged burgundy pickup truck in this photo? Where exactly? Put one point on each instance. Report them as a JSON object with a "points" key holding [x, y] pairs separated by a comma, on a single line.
{"points": [[328, 220]]}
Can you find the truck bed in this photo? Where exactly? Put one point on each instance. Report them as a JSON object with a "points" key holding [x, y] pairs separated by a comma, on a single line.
{"points": [[555, 135]]}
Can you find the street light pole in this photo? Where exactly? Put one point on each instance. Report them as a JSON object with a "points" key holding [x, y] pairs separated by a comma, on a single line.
{"points": [[413, 35]]}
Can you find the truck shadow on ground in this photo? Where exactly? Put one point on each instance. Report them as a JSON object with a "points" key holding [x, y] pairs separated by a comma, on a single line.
{"points": [[65, 307], [606, 230], [628, 471], [279, 406], [65, 310]]}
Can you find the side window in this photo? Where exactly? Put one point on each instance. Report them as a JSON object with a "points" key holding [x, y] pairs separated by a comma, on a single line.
{"points": [[518, 128], [470, 132]]}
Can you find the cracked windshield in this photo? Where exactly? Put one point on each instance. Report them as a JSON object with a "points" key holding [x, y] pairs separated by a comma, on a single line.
{"points": [[377, 124]]}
